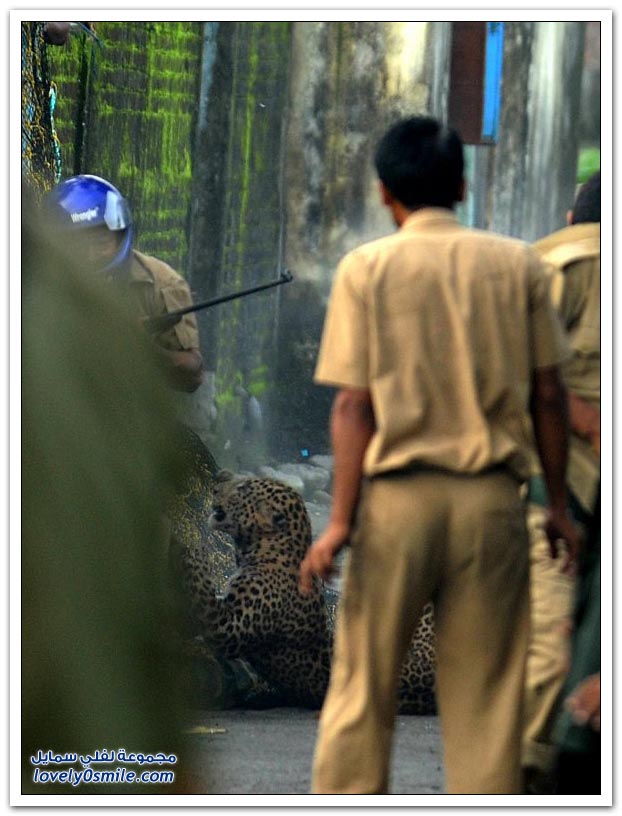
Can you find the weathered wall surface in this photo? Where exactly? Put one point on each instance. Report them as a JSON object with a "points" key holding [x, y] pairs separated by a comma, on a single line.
{"points": [[284, 179], [590, 87], [554, 116], [348, 80], [509, 159], [238, 218], [536, 159]]}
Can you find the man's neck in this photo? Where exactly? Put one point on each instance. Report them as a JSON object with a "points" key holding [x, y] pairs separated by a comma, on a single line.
{"points": [[401, 213]]}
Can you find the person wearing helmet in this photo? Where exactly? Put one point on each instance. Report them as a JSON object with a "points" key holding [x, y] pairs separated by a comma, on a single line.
{"points": [[98, 218]]}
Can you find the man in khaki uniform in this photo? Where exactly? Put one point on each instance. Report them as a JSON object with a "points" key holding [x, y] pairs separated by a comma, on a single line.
{"points": [[158, 290], [96, 217], [574, 252], [440, 339]]}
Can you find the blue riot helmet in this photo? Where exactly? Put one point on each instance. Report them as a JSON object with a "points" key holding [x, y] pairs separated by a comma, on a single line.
{"points": [[83, 202]]}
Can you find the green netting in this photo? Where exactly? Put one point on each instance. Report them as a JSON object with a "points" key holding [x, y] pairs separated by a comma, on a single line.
{"points": [[41, 160]]}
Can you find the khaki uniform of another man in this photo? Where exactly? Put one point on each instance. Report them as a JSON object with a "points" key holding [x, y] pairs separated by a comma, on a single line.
{"points": [[444, 325], [575, 253]]}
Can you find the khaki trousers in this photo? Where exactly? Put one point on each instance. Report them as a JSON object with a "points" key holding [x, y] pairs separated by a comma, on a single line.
{"points": [[548, 656], [462, 542]]}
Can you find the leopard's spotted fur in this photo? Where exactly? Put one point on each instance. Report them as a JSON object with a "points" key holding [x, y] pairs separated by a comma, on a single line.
{"points": [[262, 617]]}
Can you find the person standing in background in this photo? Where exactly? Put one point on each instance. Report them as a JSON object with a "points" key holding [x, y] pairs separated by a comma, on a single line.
{"points": [[574, 254]]}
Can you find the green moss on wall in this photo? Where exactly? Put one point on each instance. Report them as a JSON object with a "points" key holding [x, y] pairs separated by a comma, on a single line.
{"points": [[252, 210], [137, 95], [128, 111]]}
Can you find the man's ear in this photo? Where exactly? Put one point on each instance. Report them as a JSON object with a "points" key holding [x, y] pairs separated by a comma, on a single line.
{"points": [[385, 195], [569, 217]]}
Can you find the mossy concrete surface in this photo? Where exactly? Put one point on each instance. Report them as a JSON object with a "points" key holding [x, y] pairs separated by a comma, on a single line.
{"points": [[126, 111]]}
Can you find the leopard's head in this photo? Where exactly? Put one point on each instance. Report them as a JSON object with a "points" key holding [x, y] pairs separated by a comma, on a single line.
{"points": [[252, 510]]}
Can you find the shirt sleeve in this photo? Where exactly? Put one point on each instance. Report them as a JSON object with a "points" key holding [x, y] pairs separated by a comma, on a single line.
{"points": [[343, 355], [549, 342], [185, 334], [580, 306], [572, 296]]}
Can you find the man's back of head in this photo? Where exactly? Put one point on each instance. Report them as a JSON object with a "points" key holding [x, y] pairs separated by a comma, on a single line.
{"points": [[421, 163], [587, 204]]}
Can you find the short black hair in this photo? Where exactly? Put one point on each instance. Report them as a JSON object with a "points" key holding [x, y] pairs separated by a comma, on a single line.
{"points": [[587, 203], [421, 163]]}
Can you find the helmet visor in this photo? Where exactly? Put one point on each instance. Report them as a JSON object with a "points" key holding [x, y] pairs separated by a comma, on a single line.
{"points": [[117, 212]]}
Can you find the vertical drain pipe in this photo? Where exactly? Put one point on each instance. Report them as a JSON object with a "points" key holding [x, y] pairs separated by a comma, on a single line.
{"points": [[210, 32], [281, 188], [208, 58], [87, 61]]}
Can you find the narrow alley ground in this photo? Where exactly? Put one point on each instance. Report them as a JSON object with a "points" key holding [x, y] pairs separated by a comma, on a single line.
{"points": [[269, 752]]}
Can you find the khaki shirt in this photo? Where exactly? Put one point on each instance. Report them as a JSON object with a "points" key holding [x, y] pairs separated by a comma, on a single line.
{"points": [[444, 325], [157, 290], [575, 252]]}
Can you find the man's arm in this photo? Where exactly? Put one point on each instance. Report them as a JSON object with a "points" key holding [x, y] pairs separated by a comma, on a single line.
{"points": [[549, 414], [178, 344], [352, 425]]}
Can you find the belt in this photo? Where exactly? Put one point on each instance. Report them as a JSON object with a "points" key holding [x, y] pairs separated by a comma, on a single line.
{"points": [[409, 470]]}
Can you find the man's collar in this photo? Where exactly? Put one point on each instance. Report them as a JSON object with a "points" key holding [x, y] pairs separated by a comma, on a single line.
{"points": [[138, 272], [429, 215]]}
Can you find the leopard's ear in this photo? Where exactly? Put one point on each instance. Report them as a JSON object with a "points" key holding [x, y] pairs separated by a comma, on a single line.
{"points": [[224, 476]]}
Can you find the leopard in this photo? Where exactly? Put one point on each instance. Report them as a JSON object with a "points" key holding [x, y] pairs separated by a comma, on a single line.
{"points": [[260, 615]]}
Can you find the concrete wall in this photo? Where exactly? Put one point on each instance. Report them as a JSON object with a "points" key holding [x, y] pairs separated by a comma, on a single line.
{"points": [[535, 161], [238, 222], [348, 81], [284, 179], [590, 87]]}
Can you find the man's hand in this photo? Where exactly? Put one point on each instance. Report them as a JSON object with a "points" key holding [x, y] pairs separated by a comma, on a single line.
{"points": [[559, 527], [183, 368], [320, 557], [584, 702], [352, 425], [585, 420], [160, 323]]}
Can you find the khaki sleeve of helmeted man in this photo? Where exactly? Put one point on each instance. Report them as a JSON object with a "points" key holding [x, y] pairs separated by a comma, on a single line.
{"points": [[167, 291], [549, 342], [177, 295], [343, 356]]}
